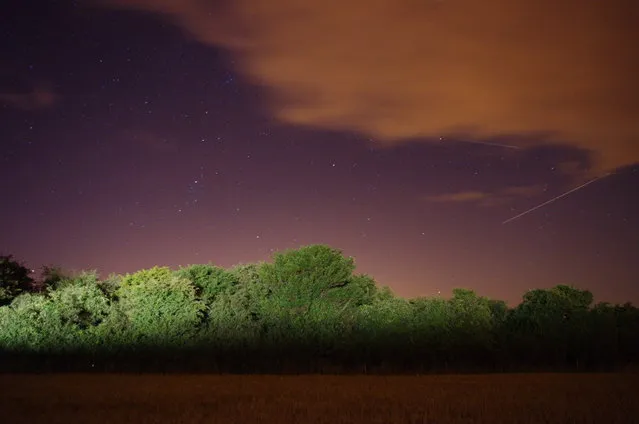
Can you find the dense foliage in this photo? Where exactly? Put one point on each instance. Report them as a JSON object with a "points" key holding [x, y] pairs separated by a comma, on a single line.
{"points": [[305, 312]]}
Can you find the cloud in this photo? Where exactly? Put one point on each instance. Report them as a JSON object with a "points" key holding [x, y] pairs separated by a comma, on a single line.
{"points": [[37, 98], [485, 198], [399, 69], [459, 197]]}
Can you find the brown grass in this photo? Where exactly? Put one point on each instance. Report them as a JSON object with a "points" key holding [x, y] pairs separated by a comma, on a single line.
{"points": [[493, 399]]}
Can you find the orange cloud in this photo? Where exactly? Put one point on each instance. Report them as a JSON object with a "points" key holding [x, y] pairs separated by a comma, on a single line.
{"points": [[462, 196], [396, 69]]}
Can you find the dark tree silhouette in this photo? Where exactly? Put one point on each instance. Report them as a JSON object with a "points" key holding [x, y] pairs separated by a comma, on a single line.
{"points": [[51, 276], [14, 279]]}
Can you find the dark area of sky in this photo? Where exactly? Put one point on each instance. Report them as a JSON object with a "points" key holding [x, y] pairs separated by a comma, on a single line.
{"points": [[126, 143]]}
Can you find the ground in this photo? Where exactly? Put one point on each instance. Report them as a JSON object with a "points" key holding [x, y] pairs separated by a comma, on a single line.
{"points": [[144, 399]]}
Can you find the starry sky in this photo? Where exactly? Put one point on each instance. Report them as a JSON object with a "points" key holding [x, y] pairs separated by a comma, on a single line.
{"points": [[144, 132]]}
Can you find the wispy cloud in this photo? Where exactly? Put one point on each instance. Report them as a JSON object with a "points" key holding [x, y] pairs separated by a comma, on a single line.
{"points": [[459, 197], [398, 69], [487, 198], [38, 98]]}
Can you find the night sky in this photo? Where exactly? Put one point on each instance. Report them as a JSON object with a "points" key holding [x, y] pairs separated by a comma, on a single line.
{"points": [[147, 132]]}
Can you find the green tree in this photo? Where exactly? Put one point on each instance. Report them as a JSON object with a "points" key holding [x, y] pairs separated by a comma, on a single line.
{"points": [[236, 314], [110, 285], [431, 320], [24, 325], [382, 337], [209, 280], [63, 319], [472, 327], [472, 314], [550, 326], [301, 278], [142, 276], [161, 309]]}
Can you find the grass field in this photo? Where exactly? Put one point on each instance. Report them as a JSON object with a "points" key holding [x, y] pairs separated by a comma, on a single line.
{"points": [[493, 399]]}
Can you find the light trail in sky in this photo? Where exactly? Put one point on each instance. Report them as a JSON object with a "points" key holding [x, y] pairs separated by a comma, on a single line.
{"points": [[485, 143], [556, 198]]}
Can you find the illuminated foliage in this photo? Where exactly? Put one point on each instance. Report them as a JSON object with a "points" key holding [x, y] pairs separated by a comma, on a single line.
{"points": [[304, 311], [142, 277], [210, 281], [63, 319], [301, 278], [160, 308]]}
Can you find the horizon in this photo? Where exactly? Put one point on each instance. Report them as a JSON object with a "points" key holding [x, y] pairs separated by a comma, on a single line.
{"points": [[73, 273]]}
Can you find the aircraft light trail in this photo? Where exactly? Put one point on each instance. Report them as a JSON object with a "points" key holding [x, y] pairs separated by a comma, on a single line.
{"points": [[485, 143], [556, 198]]}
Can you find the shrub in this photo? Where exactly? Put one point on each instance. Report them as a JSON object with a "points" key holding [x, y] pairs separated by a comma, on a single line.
{"points": [[142, 276], [63, 319], [300, 277], [210, 281], [161, 308]]}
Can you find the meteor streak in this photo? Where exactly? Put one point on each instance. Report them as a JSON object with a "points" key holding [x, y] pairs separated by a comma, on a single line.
{"points": [[557, 198]]}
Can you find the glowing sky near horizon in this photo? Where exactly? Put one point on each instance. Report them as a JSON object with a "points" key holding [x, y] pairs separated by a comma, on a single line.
{"points": [[139, 133]]}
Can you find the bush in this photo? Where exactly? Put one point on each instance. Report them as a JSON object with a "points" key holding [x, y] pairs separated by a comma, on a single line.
{"points": [[300, 277], [63, 319], [142, 277], [210, 281], [304, 311], [161, 309]]}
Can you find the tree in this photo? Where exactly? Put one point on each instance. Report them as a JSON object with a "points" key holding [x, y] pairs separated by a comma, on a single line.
{"points": [[64, 319], [300, 278], [52, 276], [549, 326], [627, 318], [234, 303], [382, 327], [603, 336], [209, 280], [161, 308], [142, 276], [14, 279], [24, 325], [471, 327], [80, 302], [431, 322]]}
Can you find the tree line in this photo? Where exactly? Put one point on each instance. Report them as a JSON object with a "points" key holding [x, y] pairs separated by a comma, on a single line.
{"points": [[306, 311]]}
